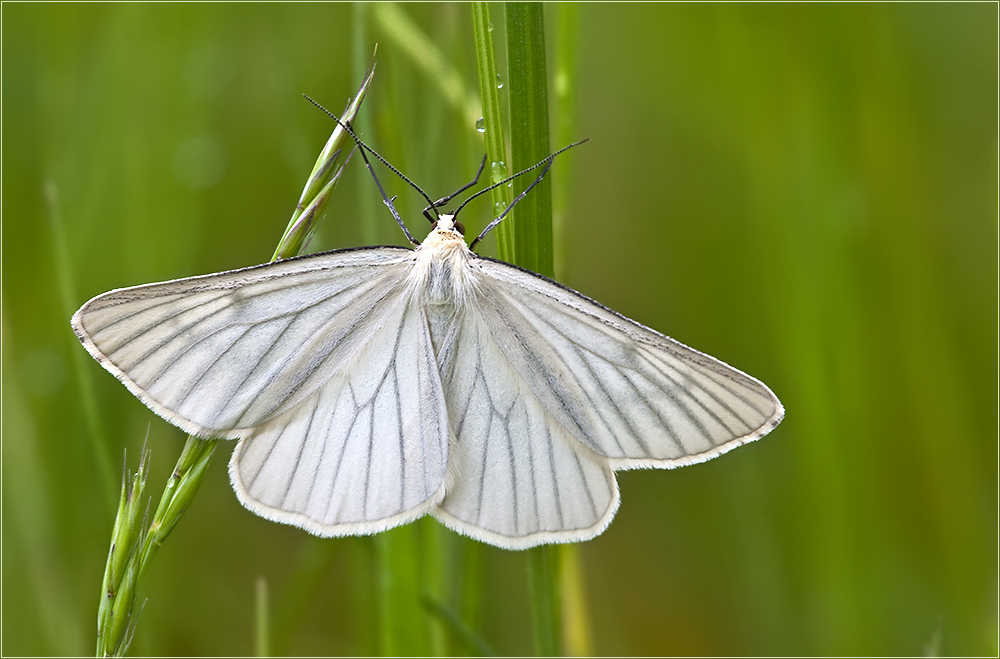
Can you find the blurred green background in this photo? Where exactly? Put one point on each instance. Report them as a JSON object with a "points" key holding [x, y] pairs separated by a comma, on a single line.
{"points": [[807, 191]]}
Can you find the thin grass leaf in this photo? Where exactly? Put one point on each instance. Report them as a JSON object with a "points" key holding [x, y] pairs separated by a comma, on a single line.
{"points": [[421, 49], [262, 619], [473, 642], [565, 98], [67, 294], [471, 593]]}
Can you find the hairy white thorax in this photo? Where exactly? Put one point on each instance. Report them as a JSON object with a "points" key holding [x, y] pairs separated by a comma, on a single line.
{"points": [[442, 275]]}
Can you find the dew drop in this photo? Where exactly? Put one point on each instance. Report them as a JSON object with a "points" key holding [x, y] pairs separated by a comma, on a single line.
{"points": [[480, 125], [498, 170], [490, 27], [498, 208], [499, 82]]}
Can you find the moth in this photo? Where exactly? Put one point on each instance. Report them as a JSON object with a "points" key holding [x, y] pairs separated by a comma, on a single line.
{"points": [[369, 387]]}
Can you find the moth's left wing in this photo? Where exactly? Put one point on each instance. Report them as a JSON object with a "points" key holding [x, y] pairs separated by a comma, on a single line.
{"points": [[624, 391], [518, 478]]}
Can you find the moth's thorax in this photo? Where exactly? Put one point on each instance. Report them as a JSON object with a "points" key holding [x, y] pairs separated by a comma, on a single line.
{"points": [[441, 274]]}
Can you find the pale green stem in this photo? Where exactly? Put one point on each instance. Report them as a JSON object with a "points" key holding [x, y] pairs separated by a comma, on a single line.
{"points": [[575, 624], [262, 618], [565, 89]]}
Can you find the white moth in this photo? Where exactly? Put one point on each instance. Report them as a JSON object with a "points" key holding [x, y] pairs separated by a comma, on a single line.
{"points": [[369, 387]]}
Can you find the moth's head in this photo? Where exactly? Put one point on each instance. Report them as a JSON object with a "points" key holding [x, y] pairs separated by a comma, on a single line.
{"points": [[449, 223], [444, 240]]}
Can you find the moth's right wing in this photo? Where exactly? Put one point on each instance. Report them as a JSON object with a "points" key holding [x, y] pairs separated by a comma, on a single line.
{"points": [[220, 354], [323, 367]]}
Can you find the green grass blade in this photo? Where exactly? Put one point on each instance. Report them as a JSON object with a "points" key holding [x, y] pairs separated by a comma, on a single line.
{"points": [[565, 93], [576, 625], [474, 644], [533, 250], [492, 125], [529, 134], [85, 387], [407, 36], [546, 603], [262, 619]]}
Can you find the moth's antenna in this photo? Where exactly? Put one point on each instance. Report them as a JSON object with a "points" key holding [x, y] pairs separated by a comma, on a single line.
{"points": [[385, 198], [492, 225], [444, 200], [547, 162], [523, 171], [364, 147]]}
